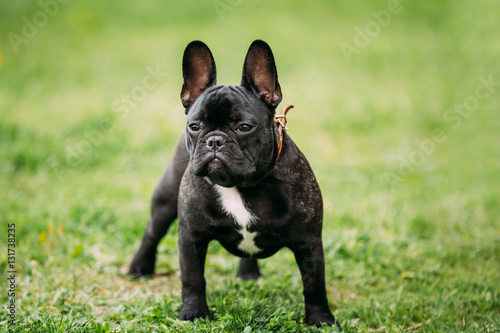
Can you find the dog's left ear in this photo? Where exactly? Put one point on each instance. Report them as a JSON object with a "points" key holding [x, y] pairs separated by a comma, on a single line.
{"points": [[260, 75]]}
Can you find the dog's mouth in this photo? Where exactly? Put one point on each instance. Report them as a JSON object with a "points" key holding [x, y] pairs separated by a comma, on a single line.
{"points": [[215, 169], [221, 170], [218, 173]]}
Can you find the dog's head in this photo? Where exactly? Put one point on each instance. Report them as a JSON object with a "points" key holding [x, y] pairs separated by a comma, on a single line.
{"points": [[231, 135]]}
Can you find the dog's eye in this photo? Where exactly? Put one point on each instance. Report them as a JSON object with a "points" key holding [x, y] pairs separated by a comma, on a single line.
{"points": [[244, 128], [194, 127]]}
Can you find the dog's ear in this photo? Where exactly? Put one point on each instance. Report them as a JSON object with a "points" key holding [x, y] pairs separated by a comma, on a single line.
{"points": [[260, 75], [198, 71]]}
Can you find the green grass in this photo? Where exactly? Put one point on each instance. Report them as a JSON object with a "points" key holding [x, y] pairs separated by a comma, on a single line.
{"points": [[412, 239]]}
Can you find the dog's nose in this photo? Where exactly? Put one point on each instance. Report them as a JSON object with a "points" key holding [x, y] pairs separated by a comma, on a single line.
{"points": [[215, 142]]}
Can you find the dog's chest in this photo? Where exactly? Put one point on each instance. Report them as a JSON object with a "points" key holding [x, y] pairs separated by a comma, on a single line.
{"points": [[232, 203]]}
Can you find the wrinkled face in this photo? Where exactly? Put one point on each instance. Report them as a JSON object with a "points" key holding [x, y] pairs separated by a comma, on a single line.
{"points": [[230, 137]]}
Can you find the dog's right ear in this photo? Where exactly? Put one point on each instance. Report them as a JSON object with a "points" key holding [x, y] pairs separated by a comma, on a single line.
{"points": [[198, 71]]}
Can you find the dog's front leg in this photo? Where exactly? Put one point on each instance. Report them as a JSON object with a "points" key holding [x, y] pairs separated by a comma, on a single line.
{"points": [[192, 253], [310, 259]]}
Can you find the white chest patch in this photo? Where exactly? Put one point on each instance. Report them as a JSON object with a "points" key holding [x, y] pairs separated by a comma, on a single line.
{"points": [[232, 203], [247, 244]]}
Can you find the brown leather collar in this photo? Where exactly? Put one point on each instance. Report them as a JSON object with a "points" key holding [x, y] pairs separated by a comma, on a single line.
{"points": [[281, 122]]}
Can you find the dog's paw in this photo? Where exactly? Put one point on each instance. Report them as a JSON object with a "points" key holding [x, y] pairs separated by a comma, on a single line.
{"points": [[317, 319], [192, 312], [138, 268]]}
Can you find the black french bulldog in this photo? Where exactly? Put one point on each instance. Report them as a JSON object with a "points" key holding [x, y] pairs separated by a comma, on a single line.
{"points": [[238, 179]]}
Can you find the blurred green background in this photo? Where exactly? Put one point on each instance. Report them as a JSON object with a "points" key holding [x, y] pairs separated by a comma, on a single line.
{"points": [[396, 108]]}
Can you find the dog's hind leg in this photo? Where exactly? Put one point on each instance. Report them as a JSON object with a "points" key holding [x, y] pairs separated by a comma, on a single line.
{"points": [[248, 269], [163, 212]]}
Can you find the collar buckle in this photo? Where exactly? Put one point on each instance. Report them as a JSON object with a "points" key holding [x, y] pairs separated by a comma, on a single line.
{"points": [[280, 119]]}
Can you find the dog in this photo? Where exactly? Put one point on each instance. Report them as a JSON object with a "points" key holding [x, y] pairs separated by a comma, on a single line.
{"points": [[238, 178]]}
